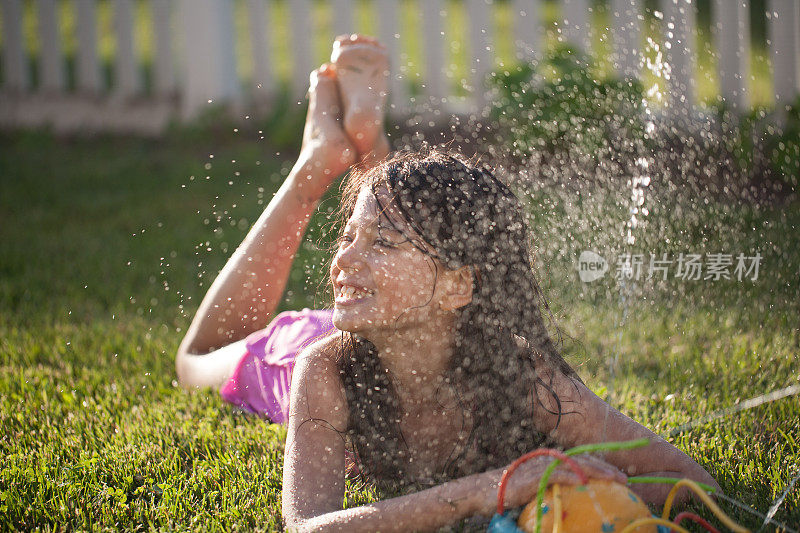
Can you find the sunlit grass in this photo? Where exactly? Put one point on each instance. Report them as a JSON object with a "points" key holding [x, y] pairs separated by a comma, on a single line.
{"points": [[106, 246]]}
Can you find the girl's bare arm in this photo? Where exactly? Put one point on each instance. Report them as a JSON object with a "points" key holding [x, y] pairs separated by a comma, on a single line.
{"points": [[588, 419], [247, 291], [313, 475]]}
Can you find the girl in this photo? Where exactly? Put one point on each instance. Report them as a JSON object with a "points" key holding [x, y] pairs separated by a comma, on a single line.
{"points": [[438, 370]]}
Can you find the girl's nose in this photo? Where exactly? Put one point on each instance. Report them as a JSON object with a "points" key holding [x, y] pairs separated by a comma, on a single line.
{"points": [[349, 257]]}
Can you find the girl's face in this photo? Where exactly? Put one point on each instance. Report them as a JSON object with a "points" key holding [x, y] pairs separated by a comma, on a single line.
{"points": [[381, 281]]}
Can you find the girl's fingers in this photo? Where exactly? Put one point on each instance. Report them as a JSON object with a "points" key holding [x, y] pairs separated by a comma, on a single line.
{"points": [[564, 477], [523, 491], [524, 483], [605, 469], [601, 468], [592, 467], [327, 69]]}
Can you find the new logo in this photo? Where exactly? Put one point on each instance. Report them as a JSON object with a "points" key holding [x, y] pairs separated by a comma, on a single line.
{"points": [[591, 266]]}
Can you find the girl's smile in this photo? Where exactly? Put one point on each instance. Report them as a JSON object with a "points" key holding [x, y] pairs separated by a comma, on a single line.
{"points": [[347, 294]]}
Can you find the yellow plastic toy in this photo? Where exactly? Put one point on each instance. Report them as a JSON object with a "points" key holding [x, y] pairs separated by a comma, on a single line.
{"points": [[602, 506], [599, 505]]}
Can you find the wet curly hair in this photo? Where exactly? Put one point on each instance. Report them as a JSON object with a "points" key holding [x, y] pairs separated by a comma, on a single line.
{"points": [[459, 213]]}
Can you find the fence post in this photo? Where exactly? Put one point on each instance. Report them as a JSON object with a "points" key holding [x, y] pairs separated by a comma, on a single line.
{"points": [[784, 21], [732, 31], [88, 68], [576, 23], [128, 80], [51, 66], [480, 23], [528, 29], [263, 73], [389, 30], [433, 40], [627, 21], [300, 15], [209, 59], [164, 59], [342, 17], [679, 18], [15, 60]]}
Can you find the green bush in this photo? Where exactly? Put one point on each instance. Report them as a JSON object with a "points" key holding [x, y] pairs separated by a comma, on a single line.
{"points": [[560, 104], [782, 145], [760, 144]]}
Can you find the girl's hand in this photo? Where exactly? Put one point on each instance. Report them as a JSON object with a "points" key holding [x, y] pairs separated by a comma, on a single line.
{"points": [[523, 484], [326, 152], [362, 70]]}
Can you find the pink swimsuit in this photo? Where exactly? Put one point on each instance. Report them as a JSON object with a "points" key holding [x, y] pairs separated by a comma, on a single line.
{"points": [[262, 379]]}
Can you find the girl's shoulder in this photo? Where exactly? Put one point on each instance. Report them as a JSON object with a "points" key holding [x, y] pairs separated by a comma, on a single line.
{"points": [[320, 359], [317, 390], [325, 350]]}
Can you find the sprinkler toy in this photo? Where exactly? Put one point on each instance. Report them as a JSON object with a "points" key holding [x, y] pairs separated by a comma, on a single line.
{"points": [[598, 505]]}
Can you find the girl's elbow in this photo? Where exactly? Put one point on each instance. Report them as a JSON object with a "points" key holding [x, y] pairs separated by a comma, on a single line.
{"points": [[293, 525], [697, 473], [297, 520], [710, 481], [183, 367], [292, 520], [298, 524]]}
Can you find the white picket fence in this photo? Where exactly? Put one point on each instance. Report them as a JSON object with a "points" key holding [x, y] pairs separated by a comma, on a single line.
{"points": [[194, 62]]}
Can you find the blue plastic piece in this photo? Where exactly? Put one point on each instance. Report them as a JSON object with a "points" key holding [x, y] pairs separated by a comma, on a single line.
{"points": [[503, 524]]}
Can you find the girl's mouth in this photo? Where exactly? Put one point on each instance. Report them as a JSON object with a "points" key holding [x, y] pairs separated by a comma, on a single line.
{"points": [[348, 294]]}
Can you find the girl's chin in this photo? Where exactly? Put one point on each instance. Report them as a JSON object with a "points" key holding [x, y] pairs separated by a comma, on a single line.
{"points": [[363, 321], [349, 320]]}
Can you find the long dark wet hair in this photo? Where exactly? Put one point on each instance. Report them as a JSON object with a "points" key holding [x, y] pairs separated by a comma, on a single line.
{"points": [[504, 359]]}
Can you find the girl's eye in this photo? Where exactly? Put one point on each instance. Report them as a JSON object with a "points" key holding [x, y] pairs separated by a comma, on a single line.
{"points": [[383, 243], [345, 240]]}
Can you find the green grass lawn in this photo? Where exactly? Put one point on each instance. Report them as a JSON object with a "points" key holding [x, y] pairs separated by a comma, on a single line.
{"points": [[106, 246]]}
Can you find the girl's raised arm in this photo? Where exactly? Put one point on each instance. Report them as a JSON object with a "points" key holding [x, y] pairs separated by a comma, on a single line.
{"points": [[246, 293]]}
